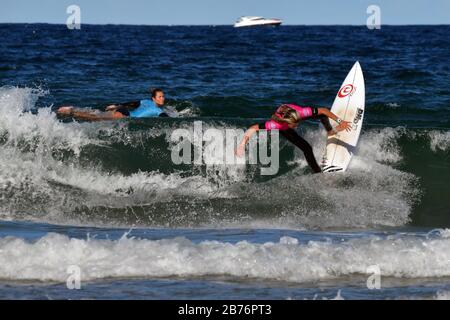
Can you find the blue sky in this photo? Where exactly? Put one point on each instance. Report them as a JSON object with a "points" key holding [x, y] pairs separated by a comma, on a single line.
{"points": [[167, 12]]}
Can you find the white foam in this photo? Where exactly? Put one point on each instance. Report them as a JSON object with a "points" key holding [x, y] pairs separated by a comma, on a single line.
{"points": [[48, 258], [380, 145], [41, 131], [442, 295], [374, 146], [217, 168], [439, 141], [35, 183], [189, 110], [371, 192], [29, 170], [393, 105], [109, 183], [29, 187], [338, 297]]}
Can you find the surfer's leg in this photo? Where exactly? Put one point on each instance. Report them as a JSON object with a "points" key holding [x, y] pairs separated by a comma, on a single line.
{"points": [[64, 110], [301, 143], [122, 111], [116, 115], [70, 111]]}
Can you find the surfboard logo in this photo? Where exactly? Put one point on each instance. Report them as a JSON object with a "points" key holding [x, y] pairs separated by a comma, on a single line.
{"points": [[359, 113], [346, 90]]}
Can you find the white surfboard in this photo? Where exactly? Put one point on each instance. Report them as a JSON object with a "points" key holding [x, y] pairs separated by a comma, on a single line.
{"points": [[349, 106]]}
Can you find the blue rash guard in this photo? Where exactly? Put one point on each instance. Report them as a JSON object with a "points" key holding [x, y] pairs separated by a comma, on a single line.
{"points": [[146, 109]]}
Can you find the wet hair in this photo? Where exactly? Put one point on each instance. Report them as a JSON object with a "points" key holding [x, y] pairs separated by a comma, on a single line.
{"points": [[154, 91], [286, 114]]}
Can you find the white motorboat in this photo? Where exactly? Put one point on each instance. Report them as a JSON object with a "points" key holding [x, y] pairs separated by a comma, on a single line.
{"points": [[249, 21]]}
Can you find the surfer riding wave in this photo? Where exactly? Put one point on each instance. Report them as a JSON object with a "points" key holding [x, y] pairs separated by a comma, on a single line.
{"points": [[135, 109], [286, 118]]}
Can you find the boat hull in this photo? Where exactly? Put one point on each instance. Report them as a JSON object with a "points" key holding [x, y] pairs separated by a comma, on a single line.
{"points": [[249, 24]]}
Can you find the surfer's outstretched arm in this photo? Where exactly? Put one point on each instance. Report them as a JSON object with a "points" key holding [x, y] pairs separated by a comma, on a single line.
{"points": [[247, 135], [343, 125]]}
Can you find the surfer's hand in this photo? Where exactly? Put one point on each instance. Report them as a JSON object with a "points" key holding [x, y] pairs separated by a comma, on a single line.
{"points": [[240, 151], [344, 125]]}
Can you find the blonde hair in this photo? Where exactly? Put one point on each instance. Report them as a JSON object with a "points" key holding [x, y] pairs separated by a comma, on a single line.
{"points": [[288, 115]]}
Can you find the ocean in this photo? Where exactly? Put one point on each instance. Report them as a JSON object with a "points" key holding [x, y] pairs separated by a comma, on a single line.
{"points": [[98, 210]]}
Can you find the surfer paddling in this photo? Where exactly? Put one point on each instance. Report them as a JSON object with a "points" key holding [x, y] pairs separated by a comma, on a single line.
{"points": [[135, 109], [286, 118]]}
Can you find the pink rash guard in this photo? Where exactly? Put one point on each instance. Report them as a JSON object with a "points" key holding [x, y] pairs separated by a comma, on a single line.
{"points": [[303, 113]]}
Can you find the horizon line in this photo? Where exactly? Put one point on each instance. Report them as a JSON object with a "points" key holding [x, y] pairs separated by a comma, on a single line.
{"points": [[227, 25]]}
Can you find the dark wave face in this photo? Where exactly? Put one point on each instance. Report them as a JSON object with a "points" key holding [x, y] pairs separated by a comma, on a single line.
{"points": [[122, 173]]}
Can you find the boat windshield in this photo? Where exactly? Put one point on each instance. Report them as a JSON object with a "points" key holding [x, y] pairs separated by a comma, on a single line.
{"points": [[241, 19]]}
